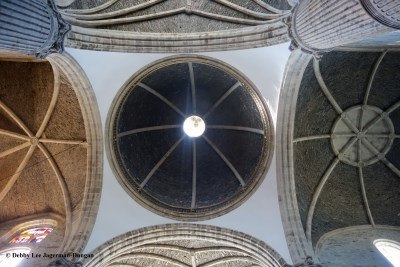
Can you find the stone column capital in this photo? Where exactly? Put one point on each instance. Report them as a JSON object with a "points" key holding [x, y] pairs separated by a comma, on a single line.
{"points": [[296, 42], [59, 29], [35, 28]]}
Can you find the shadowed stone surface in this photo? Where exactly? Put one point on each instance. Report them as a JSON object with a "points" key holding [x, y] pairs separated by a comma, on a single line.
{"points": [[340, 202]]}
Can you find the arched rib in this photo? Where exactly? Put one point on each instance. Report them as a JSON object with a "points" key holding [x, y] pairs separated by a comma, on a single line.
{"points": [[64, 190], [89, 10], [230, 19], [372, 123], [52, 105], [166, 101], [363, 191], [324, 88], [64, 142], [393, 107], [15, 135], [221, 99], [14, 149], [309, 138], [243, 10], [16, 119], [321, 184], [193, 85], [152, 256], [163, 246], [193, 259], [329, 96], [364, 195], [391, 166], [315, 198], [194, 173], [114, 14], [17, 173], [160, 162], [379, 135], [108, 22], [227, 162], [371, 148], [372, 77], [63, 3], [270, 8], [379, 118], [147, 129], [219, 248], [228, 259], [236, 128]]}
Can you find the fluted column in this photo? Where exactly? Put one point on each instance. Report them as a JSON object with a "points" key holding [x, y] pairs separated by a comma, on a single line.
{"points": [[317, 26], [33, 27]]}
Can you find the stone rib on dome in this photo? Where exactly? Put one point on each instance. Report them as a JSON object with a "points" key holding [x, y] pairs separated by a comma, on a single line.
{"points": [[172, 173]]}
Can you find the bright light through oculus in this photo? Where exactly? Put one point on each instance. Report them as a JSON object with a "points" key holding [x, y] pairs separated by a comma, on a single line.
{"points": [[389, 249], [194, 126]]}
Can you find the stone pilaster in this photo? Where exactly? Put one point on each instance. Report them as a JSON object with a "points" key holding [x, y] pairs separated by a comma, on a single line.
{"points": [[318, 26], [32, 27]]}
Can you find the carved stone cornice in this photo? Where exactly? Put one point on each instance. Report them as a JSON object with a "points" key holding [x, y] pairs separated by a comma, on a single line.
{"points": [[58, 31], [386, 12]]}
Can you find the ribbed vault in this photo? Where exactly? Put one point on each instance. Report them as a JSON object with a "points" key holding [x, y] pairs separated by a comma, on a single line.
{"points": [[46, 152], [175, 25], [184, 245], [356, 121], [342, 114]]}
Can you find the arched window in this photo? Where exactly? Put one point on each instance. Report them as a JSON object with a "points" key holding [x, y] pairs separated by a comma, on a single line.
{"points": [[34, 235], [390, 249], [12, 257]]}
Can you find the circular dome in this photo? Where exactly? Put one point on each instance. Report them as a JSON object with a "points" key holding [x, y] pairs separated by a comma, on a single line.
{"points": [[189, 137]]}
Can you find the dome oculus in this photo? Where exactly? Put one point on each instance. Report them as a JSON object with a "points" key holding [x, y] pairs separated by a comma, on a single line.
{"points": [[194, 126], [190, 138]]}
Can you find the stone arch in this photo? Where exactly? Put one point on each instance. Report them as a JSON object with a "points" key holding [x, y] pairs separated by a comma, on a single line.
{"points": [[197, 26], [185, 245]]}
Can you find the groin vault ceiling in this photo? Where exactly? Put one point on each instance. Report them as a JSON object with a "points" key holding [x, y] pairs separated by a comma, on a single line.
{"points": [[183, 177], [347, 124], [175, 25]]}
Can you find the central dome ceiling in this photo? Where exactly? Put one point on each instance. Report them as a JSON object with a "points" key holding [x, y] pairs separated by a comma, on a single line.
{"points": [[161, 165]]}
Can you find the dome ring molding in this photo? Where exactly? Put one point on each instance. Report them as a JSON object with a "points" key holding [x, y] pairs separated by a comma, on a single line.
{"points": [[204, 213]]}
